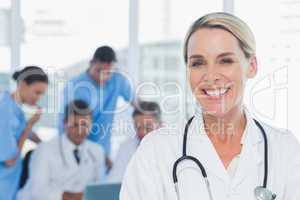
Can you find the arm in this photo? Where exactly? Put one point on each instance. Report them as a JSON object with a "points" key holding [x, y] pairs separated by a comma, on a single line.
{"points": [[292, 191], [72, 196], [35, 138], [127, 91], [61, 113], [122, 159], [101, 164], [23, 138]]}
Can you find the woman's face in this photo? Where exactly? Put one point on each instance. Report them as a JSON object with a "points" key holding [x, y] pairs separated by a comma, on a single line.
{"points": [[218, 70], [32, 93]]}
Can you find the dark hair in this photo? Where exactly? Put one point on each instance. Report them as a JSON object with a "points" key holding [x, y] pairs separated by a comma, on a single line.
{"points": [[30, 75], [104, 54], [147, 107], [76, 107]]}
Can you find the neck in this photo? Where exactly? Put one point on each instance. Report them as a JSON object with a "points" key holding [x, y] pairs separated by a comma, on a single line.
{"points": [[101, 83], [17, 96], [72, 141], [226, 128]]}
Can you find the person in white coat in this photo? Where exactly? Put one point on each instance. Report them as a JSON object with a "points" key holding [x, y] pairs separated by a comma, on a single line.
{"points": [[147, 118], [63, 167], [226, 153]]}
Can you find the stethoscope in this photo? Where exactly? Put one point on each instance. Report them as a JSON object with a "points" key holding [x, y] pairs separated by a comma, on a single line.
{"points": [[260, 192]]}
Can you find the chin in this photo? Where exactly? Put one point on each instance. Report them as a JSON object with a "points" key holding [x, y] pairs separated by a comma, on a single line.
{"points": [[32, 103], [217, 111], [78, 142]]}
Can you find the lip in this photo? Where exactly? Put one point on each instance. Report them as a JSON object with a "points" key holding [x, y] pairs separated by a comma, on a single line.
{"points": [[216, 97]]}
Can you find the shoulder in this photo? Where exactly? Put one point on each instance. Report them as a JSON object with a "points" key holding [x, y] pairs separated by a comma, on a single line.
{"points": [[94, 148], [78, 78], [119, 76], [4, 99], [276, 132], [48, 147], [282, 138], [131, 141], [165, 140], [129, 146], [3, 96]]}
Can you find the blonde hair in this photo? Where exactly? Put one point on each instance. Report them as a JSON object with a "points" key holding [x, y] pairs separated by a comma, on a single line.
{"points": [[239, 29]]}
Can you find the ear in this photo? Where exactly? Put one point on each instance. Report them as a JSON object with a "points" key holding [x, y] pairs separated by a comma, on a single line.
{"points": [[22, 84], [252, 69], [65, 126]]}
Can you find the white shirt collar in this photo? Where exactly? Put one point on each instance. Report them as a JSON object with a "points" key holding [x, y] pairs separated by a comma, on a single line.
{"points": [[68, 145]]}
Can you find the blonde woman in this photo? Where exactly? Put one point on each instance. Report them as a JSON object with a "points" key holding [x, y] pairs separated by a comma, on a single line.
{"points": [[223, 152]]}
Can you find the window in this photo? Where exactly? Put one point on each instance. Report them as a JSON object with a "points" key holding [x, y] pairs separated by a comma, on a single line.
{"points": [[273, 95], [5, 35], [163, 25]]}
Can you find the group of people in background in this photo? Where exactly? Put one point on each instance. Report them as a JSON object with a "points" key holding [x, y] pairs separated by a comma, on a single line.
{"points": [[221, 152], [78, 156]]}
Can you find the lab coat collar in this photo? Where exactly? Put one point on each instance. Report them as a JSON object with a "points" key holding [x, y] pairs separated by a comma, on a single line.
{"points": [[68, 147], [202, 148]]}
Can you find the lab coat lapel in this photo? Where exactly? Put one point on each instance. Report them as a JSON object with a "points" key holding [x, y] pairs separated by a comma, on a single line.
{"points": [[202, 148], [85, 154], [67, 148], [73, 175], [250, 157]]}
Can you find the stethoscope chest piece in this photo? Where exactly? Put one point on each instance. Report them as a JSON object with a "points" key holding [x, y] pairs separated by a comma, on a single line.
{"points": [[262, 193]]}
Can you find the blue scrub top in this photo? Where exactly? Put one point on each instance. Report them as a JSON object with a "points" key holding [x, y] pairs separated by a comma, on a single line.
{"points": [[12, 125], [101, 99]]}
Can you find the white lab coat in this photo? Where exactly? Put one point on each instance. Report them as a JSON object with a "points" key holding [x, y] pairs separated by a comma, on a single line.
{"points": [[149, 173], [50, 176], [126, 150]]}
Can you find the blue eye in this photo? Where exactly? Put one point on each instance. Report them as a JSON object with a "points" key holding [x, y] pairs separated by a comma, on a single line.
{"points": [[196, 64], [227, 61]]}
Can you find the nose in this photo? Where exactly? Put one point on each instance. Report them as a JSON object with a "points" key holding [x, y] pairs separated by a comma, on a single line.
{"points": [[211, 75], [106, 65]]}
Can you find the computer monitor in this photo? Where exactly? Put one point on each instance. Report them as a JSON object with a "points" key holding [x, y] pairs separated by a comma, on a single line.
{"points": [[102, 192]]}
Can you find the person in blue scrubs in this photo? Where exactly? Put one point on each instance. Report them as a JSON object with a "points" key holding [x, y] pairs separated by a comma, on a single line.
{"points": [[32, 83], [100, 86]]}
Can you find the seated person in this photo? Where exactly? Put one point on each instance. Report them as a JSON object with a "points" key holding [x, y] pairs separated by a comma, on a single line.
{"points": [[62, 168], [147, 117]]}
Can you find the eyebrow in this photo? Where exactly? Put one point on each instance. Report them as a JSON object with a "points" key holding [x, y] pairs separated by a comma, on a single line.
{"points": [[226, 54], [219, 56]]}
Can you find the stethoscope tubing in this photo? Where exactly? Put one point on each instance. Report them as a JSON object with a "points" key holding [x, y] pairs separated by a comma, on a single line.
{"points": [[201, 167]]}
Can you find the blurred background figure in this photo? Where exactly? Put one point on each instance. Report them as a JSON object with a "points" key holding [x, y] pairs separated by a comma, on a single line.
{"points": [[32, 83], [63, 167], [147, 117], [100, 86]]}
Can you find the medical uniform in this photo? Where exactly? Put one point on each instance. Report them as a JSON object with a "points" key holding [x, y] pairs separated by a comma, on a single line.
{"points": [[126, 150], [54, 169], [149, 173], [101, 99], [12, 125]]}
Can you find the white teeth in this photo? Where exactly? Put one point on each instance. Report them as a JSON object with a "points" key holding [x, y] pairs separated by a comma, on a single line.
{"points": [[217, 92]]}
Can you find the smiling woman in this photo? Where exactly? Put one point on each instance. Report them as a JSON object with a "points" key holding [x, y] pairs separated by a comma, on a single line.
{"points": [[224, 152], [220, 55]]}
